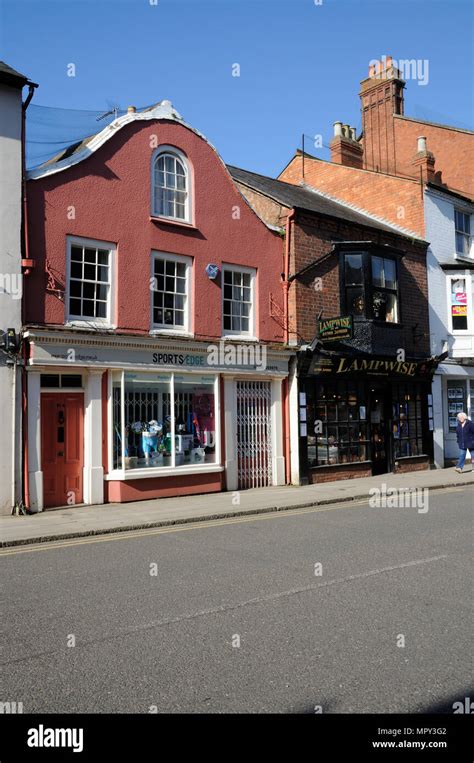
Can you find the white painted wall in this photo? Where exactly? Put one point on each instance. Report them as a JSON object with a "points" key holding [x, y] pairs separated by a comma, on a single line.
{"points": [[440, 232], [10, 296]]}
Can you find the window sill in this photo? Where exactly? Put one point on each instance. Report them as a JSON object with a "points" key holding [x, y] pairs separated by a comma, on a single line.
{"points": [[469, 258], [172, 332], [238, 338], [163, 471], [76, 323], [169, 221]]}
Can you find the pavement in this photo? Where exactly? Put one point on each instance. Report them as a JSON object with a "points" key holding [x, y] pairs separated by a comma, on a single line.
{"points": [[118, 517]]}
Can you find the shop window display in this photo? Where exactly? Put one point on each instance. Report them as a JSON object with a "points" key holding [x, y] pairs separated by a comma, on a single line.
{"points": [[337, 427], [407, 420], [160, 421]]}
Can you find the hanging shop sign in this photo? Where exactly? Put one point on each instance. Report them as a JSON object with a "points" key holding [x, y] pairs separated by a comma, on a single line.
{"points": [[374, 366], [335, 329]]}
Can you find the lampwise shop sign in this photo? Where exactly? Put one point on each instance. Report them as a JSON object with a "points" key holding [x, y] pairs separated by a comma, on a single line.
{"points": [[374, 366], [335, 329]]}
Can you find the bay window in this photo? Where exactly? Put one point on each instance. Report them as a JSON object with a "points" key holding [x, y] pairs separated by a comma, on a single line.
{"points": [[369, 286], [163, 420]]}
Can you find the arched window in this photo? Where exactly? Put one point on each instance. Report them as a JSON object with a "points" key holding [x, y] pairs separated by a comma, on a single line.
{"points": [[171, 185]]}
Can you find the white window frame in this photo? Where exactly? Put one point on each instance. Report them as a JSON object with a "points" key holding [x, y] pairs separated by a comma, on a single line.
{"points": [[158, 328], [470, 328], [251, 333], [160, 471], [177, 153], [459, 255], [75, 320]]}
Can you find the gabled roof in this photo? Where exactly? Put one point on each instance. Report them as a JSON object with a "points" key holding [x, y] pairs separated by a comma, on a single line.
{"points": [[11, 77], [81, 150], [311, 200]]}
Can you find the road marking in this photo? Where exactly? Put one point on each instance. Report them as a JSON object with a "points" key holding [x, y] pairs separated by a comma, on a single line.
{"points": [[223, 608], [185, 527], [127, 535]]}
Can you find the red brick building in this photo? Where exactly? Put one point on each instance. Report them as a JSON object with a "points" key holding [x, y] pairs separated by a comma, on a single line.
{"points": [[359, 405], [384, 170]]}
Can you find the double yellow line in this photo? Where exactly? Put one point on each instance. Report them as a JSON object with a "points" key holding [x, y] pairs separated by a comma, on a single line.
{"points": [[204, 525], [128, 535]]}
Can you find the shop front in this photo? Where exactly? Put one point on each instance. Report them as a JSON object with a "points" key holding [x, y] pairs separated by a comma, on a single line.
{"points": [[453, 392], [114, 419], [362, 416]]}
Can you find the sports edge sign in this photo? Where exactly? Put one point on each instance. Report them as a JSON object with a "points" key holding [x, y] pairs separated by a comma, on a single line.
{"points": [[335, 329]]}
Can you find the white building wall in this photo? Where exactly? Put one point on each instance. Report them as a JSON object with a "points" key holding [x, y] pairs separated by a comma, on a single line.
{"points": [[459, 366], [10, 289]]}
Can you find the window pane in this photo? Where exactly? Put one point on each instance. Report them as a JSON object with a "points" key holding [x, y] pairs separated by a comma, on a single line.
{"points": [[353, 269], [195, 419], [76, 253], [75, 289], [76, 270], [90, 255], [390, 273], [377, 271], [355, 303], [88, 290], [101, 310], [147, 437], [75, 307], [90, 272], [391, 307]]}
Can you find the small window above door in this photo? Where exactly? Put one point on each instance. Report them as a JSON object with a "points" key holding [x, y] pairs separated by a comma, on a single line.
{"points": [[61, 381]]}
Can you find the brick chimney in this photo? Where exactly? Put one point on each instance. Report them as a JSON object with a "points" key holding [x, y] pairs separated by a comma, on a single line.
{"points": [[425, 161], [345, 148], [381, 97]]}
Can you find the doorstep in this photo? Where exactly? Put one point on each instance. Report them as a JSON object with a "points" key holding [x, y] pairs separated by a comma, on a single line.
{"points": [[101, 519]]}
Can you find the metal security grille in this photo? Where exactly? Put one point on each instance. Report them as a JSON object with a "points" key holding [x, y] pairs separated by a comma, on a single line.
{"points": [[254, 434]]}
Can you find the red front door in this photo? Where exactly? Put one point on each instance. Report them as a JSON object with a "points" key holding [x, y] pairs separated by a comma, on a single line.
{"points": [[62, 448]]}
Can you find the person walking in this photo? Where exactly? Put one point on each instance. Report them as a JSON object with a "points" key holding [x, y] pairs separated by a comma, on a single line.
{"points": [[465, 437]]}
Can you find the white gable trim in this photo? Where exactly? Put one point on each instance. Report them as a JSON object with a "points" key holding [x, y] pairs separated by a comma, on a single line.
{"points": [[163, 110]]}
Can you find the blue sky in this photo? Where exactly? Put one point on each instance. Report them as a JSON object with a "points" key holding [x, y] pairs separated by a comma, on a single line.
{"points": [[300, 65]]}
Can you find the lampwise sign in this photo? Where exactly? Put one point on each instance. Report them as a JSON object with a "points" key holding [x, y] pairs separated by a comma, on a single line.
{"points": [[334, 329], [374, 366]]}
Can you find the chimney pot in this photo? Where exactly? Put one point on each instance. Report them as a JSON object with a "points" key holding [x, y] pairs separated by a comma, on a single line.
{"points": [[131, 109], [421, 144], [353, 133], [337, 129], [346, 131]]}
